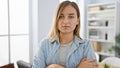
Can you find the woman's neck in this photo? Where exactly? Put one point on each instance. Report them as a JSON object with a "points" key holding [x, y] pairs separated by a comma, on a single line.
{"points": [[66, 38]]}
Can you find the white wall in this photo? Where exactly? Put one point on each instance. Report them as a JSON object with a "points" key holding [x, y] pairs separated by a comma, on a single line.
{"points": [[33, 27], [83, 17], [81, 4], [46, 11]]}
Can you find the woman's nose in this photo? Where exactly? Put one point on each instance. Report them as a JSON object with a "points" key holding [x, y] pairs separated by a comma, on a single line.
{"points": [[65, 20]]}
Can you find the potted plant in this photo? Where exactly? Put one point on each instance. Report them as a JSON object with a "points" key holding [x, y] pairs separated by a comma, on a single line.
{"points": [[106, 66], [116, 48], [110, 49]]}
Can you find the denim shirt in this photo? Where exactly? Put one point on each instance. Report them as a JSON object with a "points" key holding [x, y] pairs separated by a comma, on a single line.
{"points": [[48, 54]]}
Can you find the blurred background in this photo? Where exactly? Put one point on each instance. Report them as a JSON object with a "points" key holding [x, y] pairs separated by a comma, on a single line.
{"points": [[23, 23]]}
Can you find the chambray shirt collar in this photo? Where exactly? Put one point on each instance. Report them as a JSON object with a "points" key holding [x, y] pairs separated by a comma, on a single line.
{"points": [[76, 40], [55, 39]]}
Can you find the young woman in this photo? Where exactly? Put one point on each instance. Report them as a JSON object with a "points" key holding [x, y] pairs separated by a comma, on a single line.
{"points": [[64, 47]]}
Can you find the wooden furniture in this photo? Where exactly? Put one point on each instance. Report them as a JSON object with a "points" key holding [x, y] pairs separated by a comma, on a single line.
{"points": [[8, 66]]}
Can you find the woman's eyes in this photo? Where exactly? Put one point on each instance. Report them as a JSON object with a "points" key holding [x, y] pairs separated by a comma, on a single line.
{"points": [[60, 17], [70, 17]]}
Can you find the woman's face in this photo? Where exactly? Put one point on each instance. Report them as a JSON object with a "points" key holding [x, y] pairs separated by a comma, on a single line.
{"points": [[68, 20]]}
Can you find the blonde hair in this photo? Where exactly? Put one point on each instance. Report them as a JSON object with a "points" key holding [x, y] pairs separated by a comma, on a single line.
{"points": [[54, 31]]}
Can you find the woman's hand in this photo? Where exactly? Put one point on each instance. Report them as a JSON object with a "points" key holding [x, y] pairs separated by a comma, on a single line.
{"points": [[55, 66], [87, 63]]}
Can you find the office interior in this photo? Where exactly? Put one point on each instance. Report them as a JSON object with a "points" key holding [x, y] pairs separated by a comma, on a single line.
{"points": [[24, 23]]}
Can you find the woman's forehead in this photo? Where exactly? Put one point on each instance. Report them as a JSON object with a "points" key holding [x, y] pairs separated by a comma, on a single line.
{"points": [[69, 9]]}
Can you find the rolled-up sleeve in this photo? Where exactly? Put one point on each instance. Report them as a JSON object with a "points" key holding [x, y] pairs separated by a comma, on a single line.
{"points": [[89, 51], [39, 58]]}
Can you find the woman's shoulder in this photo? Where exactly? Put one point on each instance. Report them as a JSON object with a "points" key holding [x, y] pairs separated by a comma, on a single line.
{"points": [[44, 41], [82, 41]]}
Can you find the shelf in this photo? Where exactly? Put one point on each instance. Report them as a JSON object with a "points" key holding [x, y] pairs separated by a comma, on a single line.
{"points": [[95, 19], [105, 54], [101, 40], [102, 11], [99, 27], [99, 4], [100, 19]]}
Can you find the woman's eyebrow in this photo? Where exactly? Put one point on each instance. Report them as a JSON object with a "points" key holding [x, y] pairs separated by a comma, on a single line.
{"points": [[61, 14], [68, 14], [71, 14]]}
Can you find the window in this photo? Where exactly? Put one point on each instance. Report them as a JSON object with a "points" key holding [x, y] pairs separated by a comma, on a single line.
{"points": [[14, 31], [3, 17]]}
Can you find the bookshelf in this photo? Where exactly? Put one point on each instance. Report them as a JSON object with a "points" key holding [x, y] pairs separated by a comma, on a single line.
{"points": [[103, 24]]}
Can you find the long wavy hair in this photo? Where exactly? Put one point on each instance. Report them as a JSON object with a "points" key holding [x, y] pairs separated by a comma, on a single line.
{"points": [[54, 31]]}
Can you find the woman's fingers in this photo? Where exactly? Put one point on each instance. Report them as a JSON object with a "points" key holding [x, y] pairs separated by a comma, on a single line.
{"points": [[91, 60], [84, 59], [88, 63], [55, 66], [91, 63]]}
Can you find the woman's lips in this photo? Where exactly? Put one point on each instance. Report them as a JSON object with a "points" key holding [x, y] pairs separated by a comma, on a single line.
{"points": [[65, 27]]}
